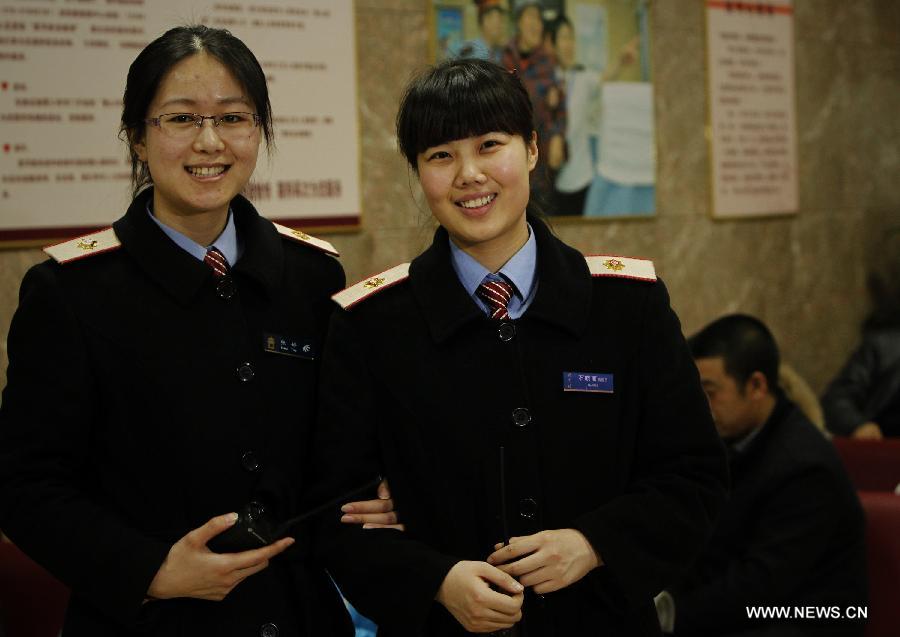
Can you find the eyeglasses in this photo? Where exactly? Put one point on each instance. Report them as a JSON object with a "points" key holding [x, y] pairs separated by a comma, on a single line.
{"points": [[184, 125]]}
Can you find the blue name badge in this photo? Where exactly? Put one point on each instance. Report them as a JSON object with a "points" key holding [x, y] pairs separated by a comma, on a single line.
{"points": [[289, 346], [588, 381]]}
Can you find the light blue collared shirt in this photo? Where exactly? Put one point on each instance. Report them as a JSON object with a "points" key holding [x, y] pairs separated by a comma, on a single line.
{"points": [[520, 271], [741, 445], [226, 243]]}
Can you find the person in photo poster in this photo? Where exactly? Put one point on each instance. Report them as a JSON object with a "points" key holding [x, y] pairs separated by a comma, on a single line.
{"points": [[526, 55], [538, 412], [583, 90], [492, 20], [162, 378], [624, 183]]}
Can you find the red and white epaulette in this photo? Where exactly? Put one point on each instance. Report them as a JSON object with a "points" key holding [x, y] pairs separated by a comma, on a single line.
{"points": [[301, 237], [86, 246], [622, 267], [364, 289]]}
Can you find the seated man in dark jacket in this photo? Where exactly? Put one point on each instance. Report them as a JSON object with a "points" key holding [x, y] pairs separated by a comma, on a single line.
{"points": [[791, 538], [863, 401]]}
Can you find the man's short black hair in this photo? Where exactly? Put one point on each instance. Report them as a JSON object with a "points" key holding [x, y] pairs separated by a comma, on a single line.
{"points": [[744, 343]]}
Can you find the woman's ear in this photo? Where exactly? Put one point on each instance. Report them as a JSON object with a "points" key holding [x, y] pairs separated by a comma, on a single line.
{"points": [[138, 146], [531, 148]]}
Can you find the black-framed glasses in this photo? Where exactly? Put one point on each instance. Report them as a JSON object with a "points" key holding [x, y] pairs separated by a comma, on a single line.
{"points": [[186, 124]]}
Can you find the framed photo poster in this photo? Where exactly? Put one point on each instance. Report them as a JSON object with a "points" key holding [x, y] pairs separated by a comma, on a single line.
{"points": [[63, 170], [586, 66]]}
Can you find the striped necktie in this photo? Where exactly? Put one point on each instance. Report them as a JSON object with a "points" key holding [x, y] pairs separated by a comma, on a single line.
{"points": [[216, 260], [497, 295]]}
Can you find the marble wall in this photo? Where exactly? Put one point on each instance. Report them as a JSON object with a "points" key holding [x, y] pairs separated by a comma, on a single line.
{"points": [[803, 275]]}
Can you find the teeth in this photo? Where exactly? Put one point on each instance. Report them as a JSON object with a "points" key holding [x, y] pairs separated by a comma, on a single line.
{"points": [[205, 171], [477, 203]]}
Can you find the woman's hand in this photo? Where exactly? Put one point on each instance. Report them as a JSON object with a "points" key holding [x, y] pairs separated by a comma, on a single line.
{"points": [[192, 570], [466, 593], [547, 561], [373, 514]]}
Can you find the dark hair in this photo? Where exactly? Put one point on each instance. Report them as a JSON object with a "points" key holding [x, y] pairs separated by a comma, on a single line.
{"points": [[744, 343], [151, 65], [554, 27], [883, 282], [525, 6], [461, 98], [486, 10]]}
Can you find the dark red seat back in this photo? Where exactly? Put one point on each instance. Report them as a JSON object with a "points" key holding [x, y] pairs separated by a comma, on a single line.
{"points": [[883, 559], [873, 465], [32, 602]]}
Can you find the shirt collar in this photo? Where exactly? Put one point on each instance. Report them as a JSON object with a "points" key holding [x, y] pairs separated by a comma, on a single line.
{"points": [[740, 445], [779, 411], [520, 270], [562, 291], [226, 243]]}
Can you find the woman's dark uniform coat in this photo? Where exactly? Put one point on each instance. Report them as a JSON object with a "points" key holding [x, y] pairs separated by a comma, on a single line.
{"points": [[141, 402], [418, 384]]}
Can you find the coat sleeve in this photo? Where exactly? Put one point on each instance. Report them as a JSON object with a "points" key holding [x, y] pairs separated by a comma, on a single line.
{"points": [[386, 574], [330, 281], [844, 401], [802, 514], [49, 504], [649, 535]]}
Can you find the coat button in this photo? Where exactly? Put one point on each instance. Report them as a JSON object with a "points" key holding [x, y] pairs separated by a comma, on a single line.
{"points": [[245, 372], [521, 416], [528, 508], [269, 630], [506, 332], [250, 462], [256, 510], [226, 288]]}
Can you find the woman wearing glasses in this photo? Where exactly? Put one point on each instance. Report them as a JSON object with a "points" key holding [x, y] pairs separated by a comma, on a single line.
{"points": [[162, 372]]}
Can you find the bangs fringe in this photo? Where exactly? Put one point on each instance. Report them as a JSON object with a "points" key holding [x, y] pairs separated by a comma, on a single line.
{"points": [[461, 99], [458, 112]]}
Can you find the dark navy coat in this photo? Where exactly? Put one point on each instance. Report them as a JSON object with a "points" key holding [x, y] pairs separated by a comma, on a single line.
{"points": [[792, 535], [418, 384], [141, 402]]}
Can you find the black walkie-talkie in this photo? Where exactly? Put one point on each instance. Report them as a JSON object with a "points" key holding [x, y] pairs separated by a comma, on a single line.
{"points": [[254, 530]]}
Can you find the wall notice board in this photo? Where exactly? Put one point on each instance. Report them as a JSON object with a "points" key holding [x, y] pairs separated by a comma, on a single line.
{"points": [[753, 138], [63, 64]]}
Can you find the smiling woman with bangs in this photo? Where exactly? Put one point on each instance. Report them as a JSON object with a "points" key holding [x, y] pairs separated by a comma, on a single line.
{"points": [[549, 446]]}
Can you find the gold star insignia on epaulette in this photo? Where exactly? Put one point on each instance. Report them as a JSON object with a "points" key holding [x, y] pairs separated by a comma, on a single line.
{"points": [[87, 245], [614, 264], [301, 235], [372, 286]]}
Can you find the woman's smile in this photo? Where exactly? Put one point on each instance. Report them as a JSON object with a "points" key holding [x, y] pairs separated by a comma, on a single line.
{"points": [[478, 204]]}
